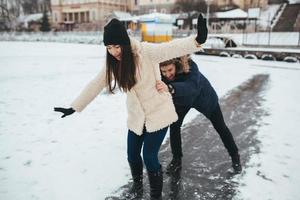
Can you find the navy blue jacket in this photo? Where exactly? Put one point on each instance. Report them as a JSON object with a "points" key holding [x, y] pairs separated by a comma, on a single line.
{"points": [[193, 90]]}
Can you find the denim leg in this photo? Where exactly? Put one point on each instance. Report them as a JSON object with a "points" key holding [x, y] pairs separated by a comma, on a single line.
{"points": [[218, 122], [134, 146], [152, 143], [175, 132]]}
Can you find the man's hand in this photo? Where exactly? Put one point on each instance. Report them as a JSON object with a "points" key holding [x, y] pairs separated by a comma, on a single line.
{"points": [[161, 86]]}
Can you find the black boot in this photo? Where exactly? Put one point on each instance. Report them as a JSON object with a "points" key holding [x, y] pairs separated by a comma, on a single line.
{"points": [[156, 184], [174, 166], [236, 163], [136, 190]]}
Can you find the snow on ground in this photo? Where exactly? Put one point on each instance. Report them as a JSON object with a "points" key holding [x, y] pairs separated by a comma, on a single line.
{"points": [[275, 171], [83, 156], [43, 156]]}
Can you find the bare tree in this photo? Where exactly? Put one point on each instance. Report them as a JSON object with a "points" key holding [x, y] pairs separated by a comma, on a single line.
{"points": [[47, 4], [15, 8], [10, 10], [30, 6], [190, 5], [35, 6], [5, 20], [193, 5]]}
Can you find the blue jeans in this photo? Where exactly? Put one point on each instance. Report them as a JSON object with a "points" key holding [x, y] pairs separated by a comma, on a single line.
{"points": [[152, 142]]}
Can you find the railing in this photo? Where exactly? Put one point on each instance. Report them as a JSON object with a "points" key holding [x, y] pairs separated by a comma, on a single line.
{"points": [[277, 15], [275, 39]]}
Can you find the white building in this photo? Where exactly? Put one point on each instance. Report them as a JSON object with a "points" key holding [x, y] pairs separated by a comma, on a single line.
{"points": [[162, 6]]}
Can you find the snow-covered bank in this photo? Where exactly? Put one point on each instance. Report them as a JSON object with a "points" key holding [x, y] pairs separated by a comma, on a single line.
{"points": [[64, 37], [273, 174], [283, 39], [83, 156]]}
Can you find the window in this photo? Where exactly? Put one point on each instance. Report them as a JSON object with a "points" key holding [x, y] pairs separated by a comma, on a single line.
{"points": [[93, 15]]}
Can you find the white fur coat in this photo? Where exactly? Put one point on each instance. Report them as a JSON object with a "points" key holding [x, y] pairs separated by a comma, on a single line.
{"points": [[145, 105]]}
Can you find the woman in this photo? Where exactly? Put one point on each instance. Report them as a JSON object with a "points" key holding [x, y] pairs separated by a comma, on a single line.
{"points": [[133, 67], [190, 89]]}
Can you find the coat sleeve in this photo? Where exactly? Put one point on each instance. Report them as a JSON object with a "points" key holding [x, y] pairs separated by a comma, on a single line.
{"points": [[168, 50], [191, 85], [92, 89]]}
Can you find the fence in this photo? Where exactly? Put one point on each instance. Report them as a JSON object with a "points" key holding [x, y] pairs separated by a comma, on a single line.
{"points": [[282, 39]]}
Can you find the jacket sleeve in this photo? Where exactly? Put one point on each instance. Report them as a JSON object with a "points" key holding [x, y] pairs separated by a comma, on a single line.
{"points": [[191, 85], [90, 91], [168, 50]]}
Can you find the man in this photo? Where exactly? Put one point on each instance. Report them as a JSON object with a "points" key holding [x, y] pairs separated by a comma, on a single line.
{"points": [[190, 89]]}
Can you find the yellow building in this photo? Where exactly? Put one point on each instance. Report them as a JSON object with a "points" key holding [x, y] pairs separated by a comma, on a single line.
{"points": [[87, 14], [156, 27]]}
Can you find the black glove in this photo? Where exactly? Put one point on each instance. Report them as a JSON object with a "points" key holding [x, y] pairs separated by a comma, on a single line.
{"points": [[65, 111], [202, 30]]}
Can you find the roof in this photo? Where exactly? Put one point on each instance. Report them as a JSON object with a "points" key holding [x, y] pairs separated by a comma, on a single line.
{"points": [[121, 15], [156, 17], [236, 13], [30, 18]]}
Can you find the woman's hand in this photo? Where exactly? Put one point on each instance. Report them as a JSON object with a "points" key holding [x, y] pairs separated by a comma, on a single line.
{"points": [[161, 86], [202, 29], [65, 111]]}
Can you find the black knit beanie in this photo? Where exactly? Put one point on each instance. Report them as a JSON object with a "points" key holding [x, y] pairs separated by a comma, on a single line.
{"points": [[115, 33]]}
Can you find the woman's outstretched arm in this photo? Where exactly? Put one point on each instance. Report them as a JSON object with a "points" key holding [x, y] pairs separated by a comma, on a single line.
{"points": [[178, 47], [92, 89]]}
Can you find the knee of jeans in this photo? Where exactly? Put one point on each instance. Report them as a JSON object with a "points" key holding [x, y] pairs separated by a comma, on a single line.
{"points": [[151, 161], [134, 158], [152, 167]]}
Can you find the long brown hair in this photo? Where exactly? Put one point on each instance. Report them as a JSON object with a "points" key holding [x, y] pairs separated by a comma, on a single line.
{"points": [[122, 72], [182, 64]]}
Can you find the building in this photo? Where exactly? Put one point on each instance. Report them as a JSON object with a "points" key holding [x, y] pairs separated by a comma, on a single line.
{"points": [[87, 14], [246, 4], [156, 27], [162, 6], [243, 4]]}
